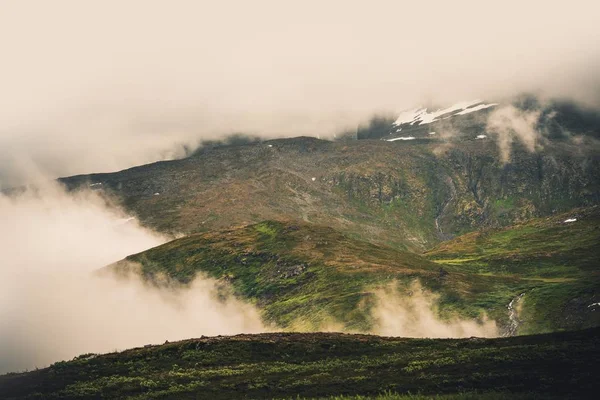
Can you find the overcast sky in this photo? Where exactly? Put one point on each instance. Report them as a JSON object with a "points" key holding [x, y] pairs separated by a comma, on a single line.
{"points": [[91, 86]]}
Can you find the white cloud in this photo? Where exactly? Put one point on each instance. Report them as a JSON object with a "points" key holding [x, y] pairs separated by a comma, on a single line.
{"points": [[107, 85]]}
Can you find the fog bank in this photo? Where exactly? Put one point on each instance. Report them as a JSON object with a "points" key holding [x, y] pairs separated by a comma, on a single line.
{"points": [[52, 305], [89, 87], [413, 313], [55, 305]]}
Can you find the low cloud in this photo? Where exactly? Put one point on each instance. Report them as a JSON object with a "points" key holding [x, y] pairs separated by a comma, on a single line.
{"points": [[56, 302], [54, 307], [95, 87], [414, 313], [509, 124]]}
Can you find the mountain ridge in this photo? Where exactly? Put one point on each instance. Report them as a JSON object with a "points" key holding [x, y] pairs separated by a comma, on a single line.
{"points": [[318, 365], [304, 276], [389, 193]]}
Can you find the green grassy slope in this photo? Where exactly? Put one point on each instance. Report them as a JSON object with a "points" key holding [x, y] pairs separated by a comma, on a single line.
{"points": [[302, 276], [559, 259], [558, 365]]}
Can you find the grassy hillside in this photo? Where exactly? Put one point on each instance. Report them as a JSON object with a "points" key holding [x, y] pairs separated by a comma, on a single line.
{"points": [[305, 277], [559, 258], [407, 195], [558, 365], [301, 275]]}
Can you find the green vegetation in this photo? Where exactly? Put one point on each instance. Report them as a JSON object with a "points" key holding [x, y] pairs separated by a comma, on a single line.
{"points": [[307, 230], [455, 396], [319, 365], [503, 206], [556, 261], [301, 276], [304, 277]]}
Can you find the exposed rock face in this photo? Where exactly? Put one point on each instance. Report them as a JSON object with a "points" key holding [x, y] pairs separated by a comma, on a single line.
{"points": [[410, 195]]}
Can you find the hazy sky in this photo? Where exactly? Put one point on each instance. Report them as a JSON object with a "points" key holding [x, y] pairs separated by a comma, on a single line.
{"points": [[102, 85]]}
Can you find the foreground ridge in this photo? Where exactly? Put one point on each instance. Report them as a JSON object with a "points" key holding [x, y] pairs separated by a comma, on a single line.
{"points": [[280, 365]]}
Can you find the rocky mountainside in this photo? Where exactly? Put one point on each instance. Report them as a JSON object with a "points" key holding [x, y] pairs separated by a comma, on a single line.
{"points": [[406, 194], [308, 229], [468, 120]]}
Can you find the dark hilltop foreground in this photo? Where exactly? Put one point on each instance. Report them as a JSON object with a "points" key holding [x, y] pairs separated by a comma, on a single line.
{"points": [[317, 365]]}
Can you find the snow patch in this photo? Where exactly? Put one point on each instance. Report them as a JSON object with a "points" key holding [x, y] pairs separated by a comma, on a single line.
{"points": [[313, 179], [594, 305], [432, 133], [480, 137], [96, 184], [409, 117], [269, 145], [422, 116], [401, 138], [570, 220], [156, 194], [476, 108]]}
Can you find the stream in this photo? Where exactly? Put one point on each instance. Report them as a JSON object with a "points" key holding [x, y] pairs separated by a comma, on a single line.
{"points": [[513, 316]]}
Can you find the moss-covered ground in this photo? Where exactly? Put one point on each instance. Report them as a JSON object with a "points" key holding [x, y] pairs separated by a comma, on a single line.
{"points": [[557, 263]]}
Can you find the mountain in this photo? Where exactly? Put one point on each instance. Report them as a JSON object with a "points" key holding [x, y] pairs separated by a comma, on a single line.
{"points": [[539, 276], [468, 120], [319, 365], [302, 276], [434, 219], [306, 277], [309, 229], [423, 123], [409, 195]]}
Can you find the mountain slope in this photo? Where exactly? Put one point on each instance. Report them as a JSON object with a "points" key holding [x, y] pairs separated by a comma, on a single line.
{"points": [[466, 120], [557, 365], [539, 276], [308, 277], [301, 276], [409, 195], [559, 252]]}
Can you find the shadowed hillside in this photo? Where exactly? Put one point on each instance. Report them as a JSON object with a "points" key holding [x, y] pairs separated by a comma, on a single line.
{"points": [[266, 366]]}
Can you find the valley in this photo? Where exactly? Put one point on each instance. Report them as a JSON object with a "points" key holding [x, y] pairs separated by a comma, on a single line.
{"points": [[299, 200], [432, 237]]}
